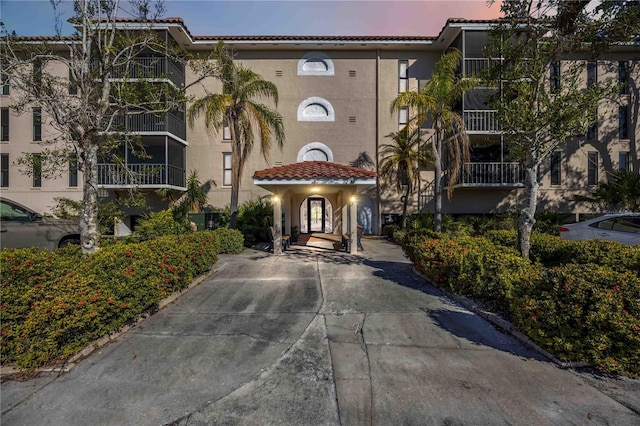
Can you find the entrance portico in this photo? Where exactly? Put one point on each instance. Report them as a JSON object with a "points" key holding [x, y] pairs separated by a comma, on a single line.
{"points": [[319, 184]]}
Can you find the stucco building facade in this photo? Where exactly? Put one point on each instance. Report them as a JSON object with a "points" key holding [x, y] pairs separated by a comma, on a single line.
{"points": [[335, 95]]}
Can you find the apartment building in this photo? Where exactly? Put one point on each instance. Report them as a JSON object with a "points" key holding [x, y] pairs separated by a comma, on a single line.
{"points": [[335, 95]]}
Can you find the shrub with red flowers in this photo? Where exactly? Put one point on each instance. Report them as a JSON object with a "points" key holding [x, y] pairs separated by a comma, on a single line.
{"points": [[54, 303]]}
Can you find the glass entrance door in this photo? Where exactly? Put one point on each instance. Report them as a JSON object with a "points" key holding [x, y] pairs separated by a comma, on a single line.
{"points": [[315, 214]]}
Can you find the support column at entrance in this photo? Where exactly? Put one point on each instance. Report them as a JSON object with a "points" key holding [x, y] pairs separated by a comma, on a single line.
{"points": [[277, 224], [353, 224]]}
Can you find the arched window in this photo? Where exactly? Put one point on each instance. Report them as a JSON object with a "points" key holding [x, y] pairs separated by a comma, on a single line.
{"points": [[315, 63], [316, 109], [315, 151]]}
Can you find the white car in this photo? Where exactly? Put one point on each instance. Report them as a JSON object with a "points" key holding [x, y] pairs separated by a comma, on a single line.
{"points": [[623, 228]]}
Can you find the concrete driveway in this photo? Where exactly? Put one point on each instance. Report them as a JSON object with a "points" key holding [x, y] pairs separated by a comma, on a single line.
{"points": [[317, 337]]}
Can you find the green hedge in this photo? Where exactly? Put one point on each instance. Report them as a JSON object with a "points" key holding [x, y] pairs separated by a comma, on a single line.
{"points": [[583, 305], [551, 250], [230, 240], [54, 303]]}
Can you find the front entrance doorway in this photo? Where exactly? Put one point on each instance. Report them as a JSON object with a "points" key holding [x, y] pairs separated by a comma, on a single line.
{"points": [[316, 216]]}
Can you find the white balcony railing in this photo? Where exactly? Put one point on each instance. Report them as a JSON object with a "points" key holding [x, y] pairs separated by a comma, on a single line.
{"points": [[481, 120], [491, 174]]}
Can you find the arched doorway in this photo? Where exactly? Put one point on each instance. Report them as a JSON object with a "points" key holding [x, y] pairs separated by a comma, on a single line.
{"points": [[316, 215]]}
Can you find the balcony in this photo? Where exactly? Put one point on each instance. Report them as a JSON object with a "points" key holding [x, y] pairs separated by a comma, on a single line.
{"points": [[481, 121], [154, 176], [491, 175], [152, 68], [148, 122]]}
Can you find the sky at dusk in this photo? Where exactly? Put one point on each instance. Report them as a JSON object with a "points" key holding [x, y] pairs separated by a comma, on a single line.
{"points": [[293, 17]]}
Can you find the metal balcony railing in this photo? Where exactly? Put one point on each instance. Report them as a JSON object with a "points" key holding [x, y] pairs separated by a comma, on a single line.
{"points": [[481, 120], [475, 66], [149, 122], [149, 175], [155, 68], [491, 174]]}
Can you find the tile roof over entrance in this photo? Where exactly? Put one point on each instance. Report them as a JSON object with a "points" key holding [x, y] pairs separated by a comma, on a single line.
{"points": [[313, 170]]}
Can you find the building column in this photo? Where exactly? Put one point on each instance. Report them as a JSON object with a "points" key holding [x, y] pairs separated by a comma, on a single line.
{"points": [[277, 224], [353, 225], [288, 215]]}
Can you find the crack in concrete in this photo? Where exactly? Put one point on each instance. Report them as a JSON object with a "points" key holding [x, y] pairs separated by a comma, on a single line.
{"points": [[187, 416]]}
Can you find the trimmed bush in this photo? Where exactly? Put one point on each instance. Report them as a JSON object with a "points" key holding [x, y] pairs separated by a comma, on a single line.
{"points": [[54, 303], [160, 223], [587, 311], [229, 240]]}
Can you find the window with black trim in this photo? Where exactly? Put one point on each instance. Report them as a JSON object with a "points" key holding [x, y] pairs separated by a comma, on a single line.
{"points": [[623, 161], [36, 168], [592, 73], [4, 80], [4, 124], [623, 122], [554, 76], [403, 76], [403, 117], [226, 130], [556, 168], [623, 77], [226, 168], [37, 74], [592, 168], [37, 124], [73, 171], [592, 130], [4, 170]]}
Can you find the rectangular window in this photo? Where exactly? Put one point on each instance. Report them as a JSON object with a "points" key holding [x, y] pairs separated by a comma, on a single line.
{"points": [[73, 171], [4, 170], [592, 168], [226, 168], [4, 124], [556, 168], [623, 161], [592, 73], [592, 131], [554, 76], [4, 80], [403, 117], [623, 122], [37, 170], [623, 77], [37, 124], [37, 74], [403, 76], [73, 86], [226, 131]]}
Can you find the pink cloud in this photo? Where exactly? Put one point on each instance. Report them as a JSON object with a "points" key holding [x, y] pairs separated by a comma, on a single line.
{"points": [[418, 17]]}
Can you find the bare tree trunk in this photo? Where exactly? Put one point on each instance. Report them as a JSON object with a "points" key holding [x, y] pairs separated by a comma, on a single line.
{"points": [[437, 184], [236, 162], [526, 219], [404, 207], [89, 232]]}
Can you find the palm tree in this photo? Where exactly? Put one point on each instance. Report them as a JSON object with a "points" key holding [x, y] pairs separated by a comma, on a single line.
{"points": [[401, 161], [237, 107], [436, 101]]}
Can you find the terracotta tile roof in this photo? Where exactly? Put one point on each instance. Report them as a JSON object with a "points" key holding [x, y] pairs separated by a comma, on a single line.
{"points": [[313, 170]]}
